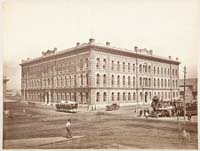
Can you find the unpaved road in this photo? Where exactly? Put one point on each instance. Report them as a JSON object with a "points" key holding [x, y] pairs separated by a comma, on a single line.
{"points": [[110, 130]]}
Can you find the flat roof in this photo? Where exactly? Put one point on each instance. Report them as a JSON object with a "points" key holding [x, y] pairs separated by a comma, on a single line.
{"points": [[104, 46]]}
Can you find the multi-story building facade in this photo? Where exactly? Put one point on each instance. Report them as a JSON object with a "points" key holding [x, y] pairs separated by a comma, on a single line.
{"points": [[97, 74]]}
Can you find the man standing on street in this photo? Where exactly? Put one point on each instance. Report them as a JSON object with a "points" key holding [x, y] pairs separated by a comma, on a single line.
{"points": [[68, 125]]}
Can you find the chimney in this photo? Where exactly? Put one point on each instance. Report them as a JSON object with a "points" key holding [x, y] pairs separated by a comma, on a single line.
{"points": [[170, 57], [176, 59], [151, 52], [107, 43], [135, 48], [91, 40], [77, 44]]}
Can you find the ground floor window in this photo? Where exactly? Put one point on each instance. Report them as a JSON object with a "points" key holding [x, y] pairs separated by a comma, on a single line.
{"points": [[97, 97]]}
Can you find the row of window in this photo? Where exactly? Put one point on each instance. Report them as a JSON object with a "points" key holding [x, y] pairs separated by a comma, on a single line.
{"points": [[145, 68], [33, 72], [57, 82], [143, 82], [132, 96]]}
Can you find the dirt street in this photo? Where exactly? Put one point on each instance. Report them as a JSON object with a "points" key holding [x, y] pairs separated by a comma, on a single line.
{"points": [[105, 130]]}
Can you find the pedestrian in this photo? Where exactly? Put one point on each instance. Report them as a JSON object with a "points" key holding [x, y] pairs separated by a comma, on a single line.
{"points": [[68, 128], [189, 116]]}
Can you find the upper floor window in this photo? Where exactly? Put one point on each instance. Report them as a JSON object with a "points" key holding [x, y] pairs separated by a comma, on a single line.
{"points": [[81, 79], [118, 96], [74, 80], [104, 63], [149, 82], [118, 80], [104, 96], [97, 97], [165, 71], [123, 80], [133, 81], [87, 79], [133, 67], [112, 80], [98, 79], [172, 71], [112, 65], [124, 96], [158, 71], [113, 96], [129, 96], [154, 70], [129, 80], [118, 66], [140, 68], [128, 66], [123, 66], [176, 72], [98, 62], [87, 63], [161, 71], [104, 79], [149, 69], [158, 83], [140, 81]]}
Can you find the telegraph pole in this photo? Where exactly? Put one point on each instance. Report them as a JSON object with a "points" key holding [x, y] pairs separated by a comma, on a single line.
{"points": [[184, 94]]}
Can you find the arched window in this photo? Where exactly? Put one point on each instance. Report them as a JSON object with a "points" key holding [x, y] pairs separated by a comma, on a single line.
{"points": [[158, 70], [98, 79], [70, 81], [149, 69], [104, 96], [168, 83], [133, 67], [112, 80], [128, 66], [141, 96], [118, 65], [172, 71], [161, 82], [87, 79], [133, 81], [158, 83], [140, 68], [140, 81], [74, 80], [118, 80], [173, 83], [176, 83], [113, 97], [165, 83], [118, 96], [81, 80], [129, 96], [165, 71], [161, 71], [154, 82], [129, 80], [124, 96], [112, 65], [124, 66], [134, 96], [104, 79], [87, 63], [124, 80], [98, 62], [65, 81], [149, 82], [97, 97], [154, 70]]}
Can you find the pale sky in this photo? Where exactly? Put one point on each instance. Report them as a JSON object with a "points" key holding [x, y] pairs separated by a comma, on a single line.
{"points": [[168, 27]]}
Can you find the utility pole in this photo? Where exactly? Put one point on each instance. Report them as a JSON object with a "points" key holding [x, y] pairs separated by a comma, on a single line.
{"points": [[184, 94]]}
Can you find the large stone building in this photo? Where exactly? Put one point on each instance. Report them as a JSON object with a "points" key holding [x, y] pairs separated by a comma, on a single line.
{"points": [[93, 73]]}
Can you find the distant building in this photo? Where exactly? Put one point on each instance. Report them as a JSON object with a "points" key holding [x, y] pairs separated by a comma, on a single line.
{"points": [[93, 73], [5, 80], [190, 89]]}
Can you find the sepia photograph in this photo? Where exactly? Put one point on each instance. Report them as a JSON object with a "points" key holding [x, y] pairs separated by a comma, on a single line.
{"points": [[91, 74]]}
